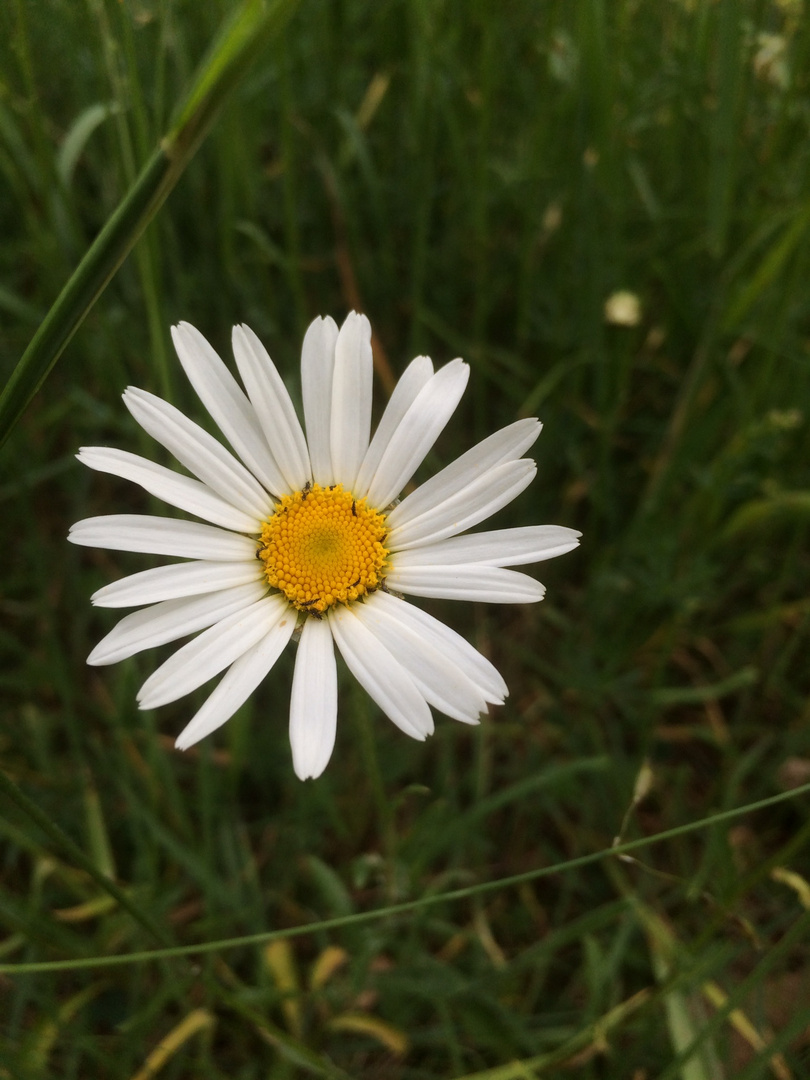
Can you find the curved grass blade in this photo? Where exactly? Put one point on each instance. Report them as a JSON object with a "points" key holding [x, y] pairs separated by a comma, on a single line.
{"points": [[241, 39], [407, 906]]}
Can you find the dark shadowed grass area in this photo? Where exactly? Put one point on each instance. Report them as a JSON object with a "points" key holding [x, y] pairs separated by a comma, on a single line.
{"points": [[480, 180]]}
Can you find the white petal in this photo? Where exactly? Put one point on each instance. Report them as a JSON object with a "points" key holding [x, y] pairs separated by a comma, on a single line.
{"points": [[200, 452], [500, 547], [274, 407], [317, 367], [212, 651], [177, 580], [181, 491], [224, 399], [487, 584], [508, 444], [351, 398], [459, 510], [313, 701], [170, 620], [380, 674], [237, 684], [441, 682], [161, 536], [413, 378], [418, 431], [448, 643]]}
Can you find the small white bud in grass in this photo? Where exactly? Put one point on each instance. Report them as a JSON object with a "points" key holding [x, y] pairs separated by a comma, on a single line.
{"points": [[622, 308]]}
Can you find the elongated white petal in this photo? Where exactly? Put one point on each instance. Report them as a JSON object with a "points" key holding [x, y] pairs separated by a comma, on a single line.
{"points": [[447, 643], [405, 659], [442, 683], [161, 536], [351, 398], [237, 684], [418, 431], [380, 674], [508, 444], [500, 547], [313, 701], [177, 580], [200, 452], [212, 651], [274, 408], [170, 620], [317, 367], [413, 378], [224, 399], [487, 584], [461, 510], [181, 491]]}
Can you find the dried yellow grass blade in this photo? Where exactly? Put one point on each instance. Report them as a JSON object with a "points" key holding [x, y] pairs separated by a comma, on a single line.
{"points": [[280, 960], [331, 959], [743, 1026], [586, 1044], [198, 1020], [42, 1040], [793, 881], [90, 909], [361, 1024]]}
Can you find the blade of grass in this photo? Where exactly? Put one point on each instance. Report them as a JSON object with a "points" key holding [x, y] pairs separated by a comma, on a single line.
{"points": [[775, 954], [768, 270], [390, 910], [197, 1020], [229, 58], [725, 126], [73, 851], [682, 1006]]}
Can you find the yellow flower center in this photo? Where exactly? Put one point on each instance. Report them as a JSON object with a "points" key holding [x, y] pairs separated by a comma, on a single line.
{"points": [[323, 547]]}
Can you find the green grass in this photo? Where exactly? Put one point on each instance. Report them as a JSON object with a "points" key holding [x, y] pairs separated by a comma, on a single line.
{"points": [[479, 179]]}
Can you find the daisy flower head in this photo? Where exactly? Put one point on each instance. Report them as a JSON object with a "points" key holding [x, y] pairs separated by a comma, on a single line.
{"points": [[304, 534]]}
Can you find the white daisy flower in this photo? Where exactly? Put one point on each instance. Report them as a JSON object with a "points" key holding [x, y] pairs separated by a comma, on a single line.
{"points": [[304, 533]]}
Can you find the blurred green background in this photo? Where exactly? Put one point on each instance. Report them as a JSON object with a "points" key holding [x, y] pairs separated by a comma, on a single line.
{"points": [[482, 180]]}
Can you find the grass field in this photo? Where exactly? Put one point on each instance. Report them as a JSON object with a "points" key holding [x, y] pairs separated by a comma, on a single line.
{"points": [[481, 180]]}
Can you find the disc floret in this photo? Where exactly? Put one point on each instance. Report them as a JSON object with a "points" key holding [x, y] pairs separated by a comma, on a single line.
{"points": [[322, 547]]}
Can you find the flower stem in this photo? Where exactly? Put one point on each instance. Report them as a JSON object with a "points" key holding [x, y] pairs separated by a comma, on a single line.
{"points": [[382, 804]]}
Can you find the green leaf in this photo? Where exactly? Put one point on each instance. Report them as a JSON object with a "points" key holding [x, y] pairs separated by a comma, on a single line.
{"points": [[694, 695], [76, 139], [784, 506]]}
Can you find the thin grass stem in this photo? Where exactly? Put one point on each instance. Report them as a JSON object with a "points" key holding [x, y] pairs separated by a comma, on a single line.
{"points": [[451, 896]]}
